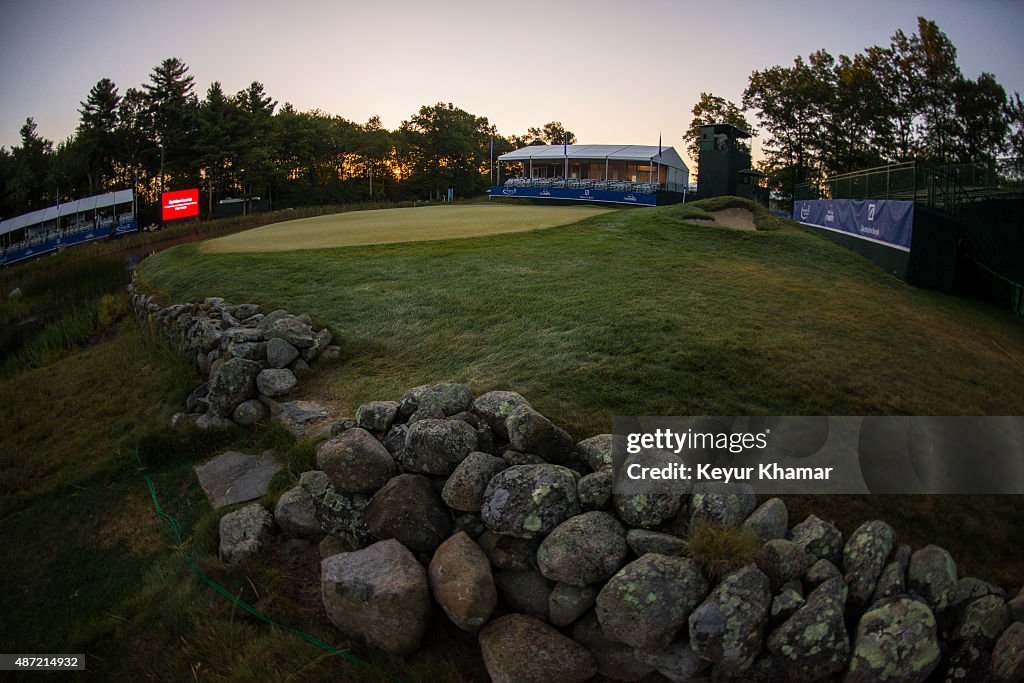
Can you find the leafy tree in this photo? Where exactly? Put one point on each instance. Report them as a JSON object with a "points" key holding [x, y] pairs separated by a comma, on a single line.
{"points": [[446, 147], [935, 58], [1015, 137], [980, 107], [710, 109], [551, 133]]}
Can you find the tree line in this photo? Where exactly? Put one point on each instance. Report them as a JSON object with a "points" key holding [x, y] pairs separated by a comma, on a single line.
{"points": [[243, 145], [905, 101]]}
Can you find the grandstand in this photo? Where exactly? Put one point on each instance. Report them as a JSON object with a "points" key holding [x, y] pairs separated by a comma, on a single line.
{"points": [[55, 227], [644, 175]]}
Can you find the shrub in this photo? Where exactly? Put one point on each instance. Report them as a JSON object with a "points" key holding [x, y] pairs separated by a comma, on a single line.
{"points": [[721, 549]]}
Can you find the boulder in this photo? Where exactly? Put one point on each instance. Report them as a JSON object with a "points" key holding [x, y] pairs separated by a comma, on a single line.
{"points": [[524, 591], [785, 605], [377, 416], [864, 558], [377, 595], [615, 661], [781, 561], [819, 539], [464, 489], [512, 458], [409, 509], [890, 583], [896, 640], [531, 432], [820, 572], [678, 662], [321, 340], [273, 382], [355, 462], [585, 549], [529, 501], [280, 354], [495, 407], [646, 510], [461, 582], [646, 603], [435, 446], [520, 649], [596, 452], [233, 382], [568, 603], [727, 628], [250, 412], [211, 420], [295, 512], [769, 521], [722, 503], [453, 398], [595, 489], [813, 644], [340, 514], [509, 552], [1008, 655], [291, 330], [932, 576], [643, 541], [984, 620], [245, 533]]}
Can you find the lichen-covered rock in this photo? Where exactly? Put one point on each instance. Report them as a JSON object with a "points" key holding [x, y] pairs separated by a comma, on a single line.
{"points": [[864, 558], [464, 489], [340, 514], [255, 351], [250, 412], [409, 509], [394, 441], [462, 583], [643, 541], [531, 432], [616, 661], [785, 605], [509, 552], [519, 649], [1008, 655], [495, 407], [965, 662], [813, 644], [819, 539], [435, 446], [377, 416], [453, 398], [595, 490], [895, 641], [646, 603], [728, 626], [984, 620], [678, 663], [646, 510], [291, 330], [211, 420], [295, 512], [770, 520], [321, 340], [585, 549], [233, 382], [512, 458], [529, 500], [932, 576], [377, 595], [567, 602], [890, 583], [722, 503], [596, 451], [280, 353], [781, 561], [820, 572], [245, 533], [273, 382], [355, 462], [527, 592]]}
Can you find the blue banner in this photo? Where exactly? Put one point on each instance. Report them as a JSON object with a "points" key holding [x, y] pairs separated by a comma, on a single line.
{"points": [[638, 198], [888, 221]]}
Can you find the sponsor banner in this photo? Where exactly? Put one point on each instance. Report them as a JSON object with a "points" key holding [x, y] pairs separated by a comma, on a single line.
{"points": [[179, 204], [888, 221], [22, 253], [77, 238], [125, 228], [576, 194], [832, 455]]}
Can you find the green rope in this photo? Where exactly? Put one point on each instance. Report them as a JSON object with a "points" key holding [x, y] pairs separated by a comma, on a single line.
{"points": [[172, 529]]}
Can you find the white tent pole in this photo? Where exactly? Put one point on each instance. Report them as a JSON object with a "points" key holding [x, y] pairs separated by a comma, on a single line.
{"points": [[606, 169]]}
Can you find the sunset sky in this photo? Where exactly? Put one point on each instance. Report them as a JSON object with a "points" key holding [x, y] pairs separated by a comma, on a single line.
{"points": [[612, 72]]}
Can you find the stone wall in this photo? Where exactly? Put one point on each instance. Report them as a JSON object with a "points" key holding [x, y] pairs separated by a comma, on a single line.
{"points": [[251, 361], [486, 510]]}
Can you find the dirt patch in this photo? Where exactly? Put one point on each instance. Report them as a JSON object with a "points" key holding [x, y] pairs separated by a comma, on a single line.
{"points": [[123, 526], [738, 219]]}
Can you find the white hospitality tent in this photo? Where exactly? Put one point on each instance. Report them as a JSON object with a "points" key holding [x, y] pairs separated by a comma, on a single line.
{"points": [[49, 218], [635, 163]]}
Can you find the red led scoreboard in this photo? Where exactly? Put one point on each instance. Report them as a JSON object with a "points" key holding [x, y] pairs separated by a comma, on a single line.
{"points": [[179, 204]]}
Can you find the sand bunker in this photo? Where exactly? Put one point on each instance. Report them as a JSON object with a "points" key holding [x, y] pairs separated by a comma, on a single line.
{"points": [[739, 219]]}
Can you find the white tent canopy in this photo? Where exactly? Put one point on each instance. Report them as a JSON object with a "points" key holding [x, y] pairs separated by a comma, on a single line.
{"points": [[94, 203], [636, 153]]}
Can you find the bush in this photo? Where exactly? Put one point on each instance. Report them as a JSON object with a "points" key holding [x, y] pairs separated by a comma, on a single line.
{"points": [[721, 549]]}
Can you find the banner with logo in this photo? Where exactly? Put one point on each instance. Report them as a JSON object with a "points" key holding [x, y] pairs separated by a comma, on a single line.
{"points": [[585, 195], [888, 221]]}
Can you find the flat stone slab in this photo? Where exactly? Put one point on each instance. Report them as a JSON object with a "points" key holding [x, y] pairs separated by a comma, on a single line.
{"points": [[234, 477], [296, 416]]}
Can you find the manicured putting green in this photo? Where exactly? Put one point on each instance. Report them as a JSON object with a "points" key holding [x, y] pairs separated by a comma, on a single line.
{"points": [[398, 225]]}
